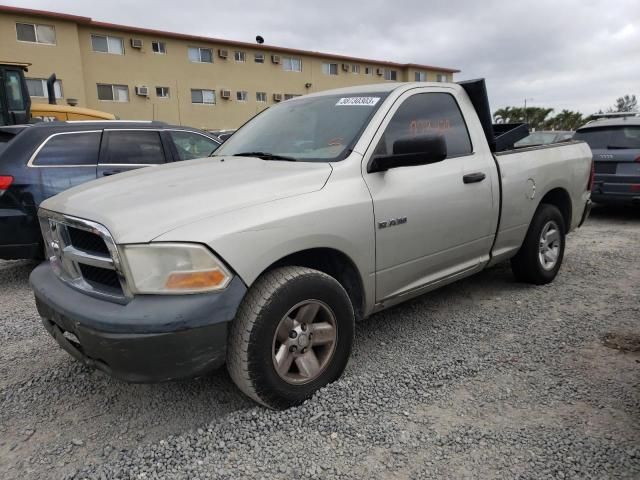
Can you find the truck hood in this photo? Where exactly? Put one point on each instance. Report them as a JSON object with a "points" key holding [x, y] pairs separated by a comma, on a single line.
{"points": [[140, 205]]}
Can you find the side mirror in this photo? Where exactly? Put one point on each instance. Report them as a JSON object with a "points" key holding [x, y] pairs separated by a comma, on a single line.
{"points": [[408, 152]]}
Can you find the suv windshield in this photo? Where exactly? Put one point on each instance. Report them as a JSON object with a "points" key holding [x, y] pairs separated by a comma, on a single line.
{"points": [[610, 138], [312, 129]]}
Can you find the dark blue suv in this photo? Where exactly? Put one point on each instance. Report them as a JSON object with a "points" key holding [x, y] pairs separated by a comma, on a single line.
{"points": [[615, 143], [38, 161]]}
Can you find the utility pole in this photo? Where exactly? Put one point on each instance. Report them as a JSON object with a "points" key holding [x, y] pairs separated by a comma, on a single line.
{"points": [[526, 115]]}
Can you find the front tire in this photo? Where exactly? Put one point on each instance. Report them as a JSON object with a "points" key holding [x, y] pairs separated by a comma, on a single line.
{"points": [[540, 256], [292, 335]]}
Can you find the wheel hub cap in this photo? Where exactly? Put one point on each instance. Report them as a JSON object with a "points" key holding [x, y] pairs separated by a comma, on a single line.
{"points": [[304, 342], [549, 245]]}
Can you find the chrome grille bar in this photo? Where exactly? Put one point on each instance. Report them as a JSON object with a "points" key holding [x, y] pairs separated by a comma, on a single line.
{"points": [[66, 258]]}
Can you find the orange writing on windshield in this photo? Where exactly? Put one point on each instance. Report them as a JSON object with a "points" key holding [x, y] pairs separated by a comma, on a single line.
{"points": [[424, 126]]}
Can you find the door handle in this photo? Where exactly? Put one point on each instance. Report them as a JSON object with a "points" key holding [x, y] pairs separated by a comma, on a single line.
{"points": [[110, 172], [474, 177]]}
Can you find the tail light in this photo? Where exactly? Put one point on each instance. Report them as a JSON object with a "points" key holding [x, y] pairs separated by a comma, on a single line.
{"points": [[637, 159], [5, 183], [592, 176]]}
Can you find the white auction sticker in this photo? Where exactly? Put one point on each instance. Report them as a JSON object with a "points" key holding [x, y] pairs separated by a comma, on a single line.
{"points": [[364, 101]]}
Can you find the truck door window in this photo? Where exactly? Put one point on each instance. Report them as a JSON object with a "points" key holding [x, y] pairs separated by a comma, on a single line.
{"points": [[69, 149], [133, 147], [15, 98], [192, 145], [428, 113]]}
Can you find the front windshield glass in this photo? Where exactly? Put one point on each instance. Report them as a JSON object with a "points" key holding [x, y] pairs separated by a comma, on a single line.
{"points": [[311, 129]]}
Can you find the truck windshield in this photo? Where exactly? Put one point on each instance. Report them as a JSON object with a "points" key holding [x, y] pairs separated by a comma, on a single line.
{"points": [[610, 138], [311, 129]]}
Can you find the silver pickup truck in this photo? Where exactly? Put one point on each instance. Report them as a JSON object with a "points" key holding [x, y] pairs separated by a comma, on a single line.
{"points": [[321, 210]]}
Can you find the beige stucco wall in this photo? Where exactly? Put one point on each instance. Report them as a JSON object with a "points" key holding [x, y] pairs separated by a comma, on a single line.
{"points": [[63, 58], [81, 69]]}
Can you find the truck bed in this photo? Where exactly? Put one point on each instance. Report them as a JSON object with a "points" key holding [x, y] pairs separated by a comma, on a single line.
{"points": [[538, 170]]}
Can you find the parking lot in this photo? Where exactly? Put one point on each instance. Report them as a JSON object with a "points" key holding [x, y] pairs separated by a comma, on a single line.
{"points": [[486, 378]]}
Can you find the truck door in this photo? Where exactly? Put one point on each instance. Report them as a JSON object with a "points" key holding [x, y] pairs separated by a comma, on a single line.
{"points": [[433, 221]]}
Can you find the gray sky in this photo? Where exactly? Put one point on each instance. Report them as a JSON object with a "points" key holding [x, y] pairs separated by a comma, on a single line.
{"points": [[574, 54]]}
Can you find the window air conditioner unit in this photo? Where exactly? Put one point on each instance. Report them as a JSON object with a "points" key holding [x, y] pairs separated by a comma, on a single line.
{"points": [[136, 43], [345, 67], [223, 53], [275, 58], [379, 71], [277, 97], [142, 91], [225, 94]]}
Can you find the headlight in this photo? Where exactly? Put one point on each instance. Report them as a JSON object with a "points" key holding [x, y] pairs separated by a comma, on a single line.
{"points": [[174, 268]]}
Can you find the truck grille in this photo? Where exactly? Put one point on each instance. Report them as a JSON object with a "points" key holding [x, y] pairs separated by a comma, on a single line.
{"points": [[84, 255], [87, 241], [101, 278]]}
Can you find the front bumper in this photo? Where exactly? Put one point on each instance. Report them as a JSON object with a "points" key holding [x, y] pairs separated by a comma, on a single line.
{"points": [[152, 338]]}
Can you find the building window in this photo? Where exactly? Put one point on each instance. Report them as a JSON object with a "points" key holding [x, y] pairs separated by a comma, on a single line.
{"points": [[113, 93], [289, 96], [241, 95], [162, 92], [368, 70], [34, 33], [291, 64], [442, 77], [355, 68], [421, 77], [261, 97], [259, 58], [391, 75], [240, 57], [159, 47], [200, 55], [106, 44], [38, 87], [205, 97], [330, 68]]}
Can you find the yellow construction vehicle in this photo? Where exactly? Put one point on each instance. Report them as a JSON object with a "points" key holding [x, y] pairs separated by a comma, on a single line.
{"points": [[16, 106]]}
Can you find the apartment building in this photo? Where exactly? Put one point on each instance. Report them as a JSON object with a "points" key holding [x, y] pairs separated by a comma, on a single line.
{"points": [[144, 74]]}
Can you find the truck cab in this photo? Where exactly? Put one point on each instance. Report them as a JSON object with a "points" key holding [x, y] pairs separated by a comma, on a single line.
{"points": [[15, 103]]}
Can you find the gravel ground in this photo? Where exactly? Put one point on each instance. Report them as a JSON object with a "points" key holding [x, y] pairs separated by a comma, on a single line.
{"points": [[485, 378]]}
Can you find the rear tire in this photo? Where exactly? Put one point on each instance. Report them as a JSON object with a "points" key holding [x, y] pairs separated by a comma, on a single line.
{"points": [[292, 335], [540, 256]]}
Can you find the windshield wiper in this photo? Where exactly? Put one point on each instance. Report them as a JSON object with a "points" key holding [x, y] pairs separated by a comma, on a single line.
{"points": [[266, 156], [617, 147]]}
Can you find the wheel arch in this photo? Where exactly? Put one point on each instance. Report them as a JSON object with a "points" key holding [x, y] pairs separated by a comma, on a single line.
{"points": [[560, 198], [334, 263]]}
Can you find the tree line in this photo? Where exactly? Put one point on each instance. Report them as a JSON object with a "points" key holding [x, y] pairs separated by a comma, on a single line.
{"points": [[541, 118]]}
